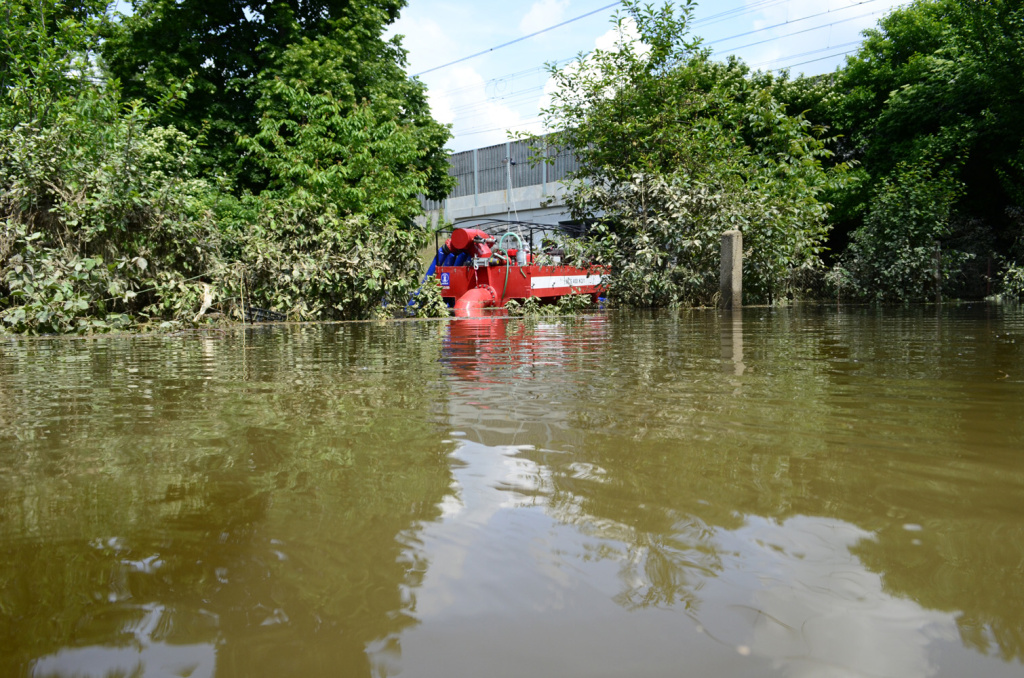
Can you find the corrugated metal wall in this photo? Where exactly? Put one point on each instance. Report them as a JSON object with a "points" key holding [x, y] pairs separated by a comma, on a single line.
{"points": [[462, 170], [490, 169], [492, 172], [523, 172], [565, 162]]}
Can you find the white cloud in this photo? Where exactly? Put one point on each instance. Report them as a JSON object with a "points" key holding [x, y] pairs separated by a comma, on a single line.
{"points": [[615, 38], [542, 14], [462, 96], [612, 41], [818, 606], [427, 42], [836, 23], [480, 110]]}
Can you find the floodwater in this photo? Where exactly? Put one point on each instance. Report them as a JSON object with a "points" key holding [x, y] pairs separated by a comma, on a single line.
{"points": [[793, 492]]}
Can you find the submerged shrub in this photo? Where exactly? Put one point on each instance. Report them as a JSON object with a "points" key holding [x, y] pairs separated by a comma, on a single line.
{"points": [[893, 256], [315, 264], [107, 219], [675, 149]]}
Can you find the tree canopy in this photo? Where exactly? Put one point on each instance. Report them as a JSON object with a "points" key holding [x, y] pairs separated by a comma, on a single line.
{"points": [[281, 170], [931, 100], [222, 53], [675, 149]]}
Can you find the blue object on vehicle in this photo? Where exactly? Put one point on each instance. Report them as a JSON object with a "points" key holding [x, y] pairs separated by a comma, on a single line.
{"points": [[461, 259], [433, 264], [439, 258]]}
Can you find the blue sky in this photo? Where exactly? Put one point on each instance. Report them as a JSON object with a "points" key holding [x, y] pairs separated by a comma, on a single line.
{"points": [[486, 96]]}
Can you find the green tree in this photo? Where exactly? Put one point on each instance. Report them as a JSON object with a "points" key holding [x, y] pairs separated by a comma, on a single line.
{"points": [[934, 90], [335, 228], [337, 125], [225, 50], [45, 48], [101, 216], [675, 149], [106, 216], [892, 256]]}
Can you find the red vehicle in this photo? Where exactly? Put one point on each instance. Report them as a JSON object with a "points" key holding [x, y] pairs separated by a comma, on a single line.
{"points": [[497, 260]]}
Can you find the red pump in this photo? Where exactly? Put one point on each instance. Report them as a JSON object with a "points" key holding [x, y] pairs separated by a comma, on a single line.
{"points": [[481, 280], [472, 241]]}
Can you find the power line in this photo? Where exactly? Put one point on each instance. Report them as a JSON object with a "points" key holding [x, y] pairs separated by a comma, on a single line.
{"points": [[714, 18], [512, 42], [737, 12], [789, 21], [806, 30], [830, 56], [506, 77], [764, 4], [465, 110], [527, 123], [803, 54], [472, 131]]}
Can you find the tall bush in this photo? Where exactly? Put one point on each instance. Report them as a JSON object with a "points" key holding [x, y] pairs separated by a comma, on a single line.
{"points": [[108, 217], [896, 254], [101, 217], [675, 149]]}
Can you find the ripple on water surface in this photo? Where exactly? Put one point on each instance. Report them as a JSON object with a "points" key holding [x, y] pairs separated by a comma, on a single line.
{"points": [[796, 492]]}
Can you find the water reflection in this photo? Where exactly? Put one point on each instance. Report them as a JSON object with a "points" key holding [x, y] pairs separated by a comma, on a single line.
{"points": [[817, 609], [862, 436], [732, 341], [245, 504], [153, 646], [776, 492]]}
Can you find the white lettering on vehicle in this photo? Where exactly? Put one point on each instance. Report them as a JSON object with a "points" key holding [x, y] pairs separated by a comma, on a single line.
{"points": [[549, 282]]}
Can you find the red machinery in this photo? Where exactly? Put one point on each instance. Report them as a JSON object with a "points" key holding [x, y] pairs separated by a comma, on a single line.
{"points": [[478, 269]]}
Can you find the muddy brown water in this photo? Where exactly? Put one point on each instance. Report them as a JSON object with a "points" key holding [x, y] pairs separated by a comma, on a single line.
{"points": [[793, 492]]}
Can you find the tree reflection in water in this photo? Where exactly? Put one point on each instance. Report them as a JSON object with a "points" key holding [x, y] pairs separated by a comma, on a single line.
{"points": [[813, 491], [849, 429], [246, 505]]}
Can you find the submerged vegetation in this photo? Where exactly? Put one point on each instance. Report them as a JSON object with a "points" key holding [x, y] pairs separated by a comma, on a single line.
{"points": [[182, 200], [903, 165], [674, 149], [569, 304], [182, 162], [930, 111]]}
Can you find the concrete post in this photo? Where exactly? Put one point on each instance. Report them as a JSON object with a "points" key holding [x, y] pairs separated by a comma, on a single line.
{"points": [[732, 270]]}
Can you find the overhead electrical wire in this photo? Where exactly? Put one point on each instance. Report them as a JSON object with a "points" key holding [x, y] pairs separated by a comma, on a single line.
{"points": [[512, 42], [508, 77], [830, 56], [472, 131], [482, 105], [737, 12], [733, 13], [515, 96], [806, 30], [777, 60], [792, 21], [714, 18]]}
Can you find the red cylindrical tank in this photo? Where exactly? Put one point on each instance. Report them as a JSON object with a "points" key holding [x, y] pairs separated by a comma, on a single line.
{"points": [[471, 241]]}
